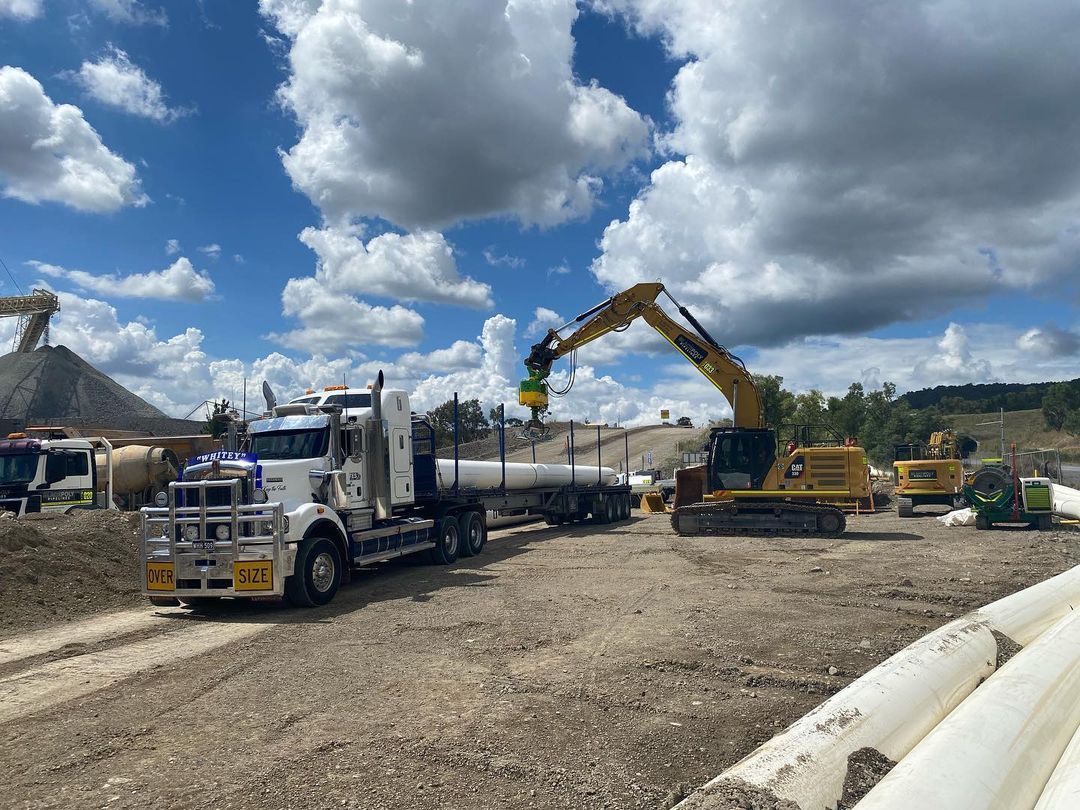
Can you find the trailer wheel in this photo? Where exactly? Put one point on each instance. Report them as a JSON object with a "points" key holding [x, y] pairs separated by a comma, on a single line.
{"points": [[624, 507], [317, 574], [601, 513], [447, 542], [473, 534], [611, 511], [552, 519]]}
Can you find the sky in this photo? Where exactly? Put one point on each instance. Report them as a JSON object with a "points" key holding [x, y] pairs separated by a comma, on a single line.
{"points": [[306, 192]]}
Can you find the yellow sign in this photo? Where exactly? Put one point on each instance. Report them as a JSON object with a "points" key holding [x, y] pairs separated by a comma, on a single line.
{"points": [[665, 414], [160, 577], [253, 575]]}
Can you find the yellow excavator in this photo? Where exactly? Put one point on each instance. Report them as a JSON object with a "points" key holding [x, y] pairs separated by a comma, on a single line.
{"points": [[929, 474], [747, 486]]}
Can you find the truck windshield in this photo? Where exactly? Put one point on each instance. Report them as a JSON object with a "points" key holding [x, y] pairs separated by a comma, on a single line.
{"points": [[18, 468], [290, 444]]}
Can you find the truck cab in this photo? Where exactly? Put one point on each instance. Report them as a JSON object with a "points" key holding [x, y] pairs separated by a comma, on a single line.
{"points": [[46, 475]]}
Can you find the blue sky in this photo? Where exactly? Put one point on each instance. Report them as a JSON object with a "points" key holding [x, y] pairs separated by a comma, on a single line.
{"points": [[824, 199]]}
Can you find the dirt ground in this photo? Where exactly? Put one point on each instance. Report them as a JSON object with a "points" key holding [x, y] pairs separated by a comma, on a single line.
{"points": [[568, 667]]}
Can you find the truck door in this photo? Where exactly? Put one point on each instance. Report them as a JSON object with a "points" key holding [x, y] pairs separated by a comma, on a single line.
{"points": [[352, 441]]}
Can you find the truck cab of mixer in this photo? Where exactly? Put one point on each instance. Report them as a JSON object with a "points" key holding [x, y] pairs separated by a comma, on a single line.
{"points": [[46, 475]]}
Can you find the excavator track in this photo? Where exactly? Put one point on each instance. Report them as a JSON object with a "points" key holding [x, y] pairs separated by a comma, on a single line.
{"points": [[748, 517]]}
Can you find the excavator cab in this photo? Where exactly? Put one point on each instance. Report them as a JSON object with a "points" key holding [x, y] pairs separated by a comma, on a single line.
{"points": [[740, 458]]}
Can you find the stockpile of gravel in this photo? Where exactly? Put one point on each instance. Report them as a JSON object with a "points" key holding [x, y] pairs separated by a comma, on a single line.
{"points": [[54, 386], [54, 567]]}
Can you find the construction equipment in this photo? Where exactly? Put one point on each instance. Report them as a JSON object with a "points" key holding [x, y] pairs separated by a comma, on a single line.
{"points": [[927, 474], [997, 495], [746, 486], [33, 312]]}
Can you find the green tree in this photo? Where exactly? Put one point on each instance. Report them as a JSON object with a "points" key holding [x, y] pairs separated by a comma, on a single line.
{"points": [[777, 402], [472, 424], [846, 414], [1058, 401], [810, 408]]}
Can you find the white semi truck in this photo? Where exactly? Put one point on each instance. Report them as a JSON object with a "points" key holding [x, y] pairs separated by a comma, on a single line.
{"points": [[316, 491]]}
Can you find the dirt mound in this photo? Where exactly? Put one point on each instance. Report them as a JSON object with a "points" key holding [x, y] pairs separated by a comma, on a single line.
{"points": [[57, 567], [54, 386]]}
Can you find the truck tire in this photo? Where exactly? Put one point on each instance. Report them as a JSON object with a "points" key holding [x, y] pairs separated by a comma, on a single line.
{"points": [[317, 573], [473, 534], [552, 519], [611, 511], [600, 512], [624, 507], [447, 541]]}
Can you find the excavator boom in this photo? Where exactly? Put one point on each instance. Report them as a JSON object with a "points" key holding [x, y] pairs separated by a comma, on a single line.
{"points": [[723, 369]]}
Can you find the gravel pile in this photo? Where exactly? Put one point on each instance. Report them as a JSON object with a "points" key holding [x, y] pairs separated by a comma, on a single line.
{"points": [[54, 568], [54, 386]]}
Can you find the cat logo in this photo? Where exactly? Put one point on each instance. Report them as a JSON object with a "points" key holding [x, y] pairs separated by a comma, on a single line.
{"points": [[796, 468], [695, 353]]}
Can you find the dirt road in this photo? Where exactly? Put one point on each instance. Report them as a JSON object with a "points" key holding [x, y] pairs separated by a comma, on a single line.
{"points": [[565, 667]]}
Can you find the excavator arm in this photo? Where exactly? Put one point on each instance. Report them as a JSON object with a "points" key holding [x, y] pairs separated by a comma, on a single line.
{"points": [[723, 369]]}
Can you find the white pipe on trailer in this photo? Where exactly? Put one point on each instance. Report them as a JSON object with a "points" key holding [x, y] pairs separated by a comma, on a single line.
{"points": [[897, 703], [999, 747], [488, 475], [1062, 791]]}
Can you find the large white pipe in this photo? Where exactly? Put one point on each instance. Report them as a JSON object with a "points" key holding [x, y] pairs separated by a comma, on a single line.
{"points": [[1066, 501], [890, 708], [488, 474], [894, 705], [1027, 614], [1062, 791], [999, 747]]}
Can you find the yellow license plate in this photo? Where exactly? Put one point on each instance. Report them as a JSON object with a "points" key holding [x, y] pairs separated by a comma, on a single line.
{"points": [[253, 575], [160, 577]]}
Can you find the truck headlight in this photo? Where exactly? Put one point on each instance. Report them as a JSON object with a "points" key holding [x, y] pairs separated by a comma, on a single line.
{"points": [[222, 531], [191, 532], [260, 496]]}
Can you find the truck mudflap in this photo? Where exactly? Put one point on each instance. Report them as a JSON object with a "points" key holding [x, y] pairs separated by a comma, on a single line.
{"points": [[192, 549], [754, 517]]}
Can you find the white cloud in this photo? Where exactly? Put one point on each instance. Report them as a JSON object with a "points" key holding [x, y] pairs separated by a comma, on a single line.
{"points": [[543, 320], [1050, 338], [852, 165], [238, 259], [48, 152], [180, 281], [212, 250], [412, 267], [332, 321], [503, 260], [172, 247], [953, 362], [116, 81], [21, 10], [131, 12], [428, 113]]}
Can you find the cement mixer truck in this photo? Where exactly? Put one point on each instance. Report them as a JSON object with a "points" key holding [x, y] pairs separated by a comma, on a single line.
{"points": [[59, 475], [318, 489]]}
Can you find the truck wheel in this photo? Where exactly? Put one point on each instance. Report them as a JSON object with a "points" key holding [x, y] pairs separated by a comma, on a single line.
{"points": [[552, 519], [611, 511], [317, 574], [625, 501], [447, 541], [473, 534]]}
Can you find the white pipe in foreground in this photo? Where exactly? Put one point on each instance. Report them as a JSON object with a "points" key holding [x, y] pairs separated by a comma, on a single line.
{"points": [[890, 708], [1066, 501], [1062, 792], [898, 702], [999, 747], [1027, 614]]}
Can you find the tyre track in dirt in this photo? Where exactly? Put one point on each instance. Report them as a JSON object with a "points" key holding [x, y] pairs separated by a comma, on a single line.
{"points": [[37, 686]]}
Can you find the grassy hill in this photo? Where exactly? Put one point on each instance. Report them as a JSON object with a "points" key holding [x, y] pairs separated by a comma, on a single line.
{"points": [[1026, 428]]}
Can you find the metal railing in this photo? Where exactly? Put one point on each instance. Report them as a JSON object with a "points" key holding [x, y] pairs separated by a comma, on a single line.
{"points": [[256, 531]]}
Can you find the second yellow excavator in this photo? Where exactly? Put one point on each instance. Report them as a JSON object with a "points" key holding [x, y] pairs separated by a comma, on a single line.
{"points": [[747, 485]]}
